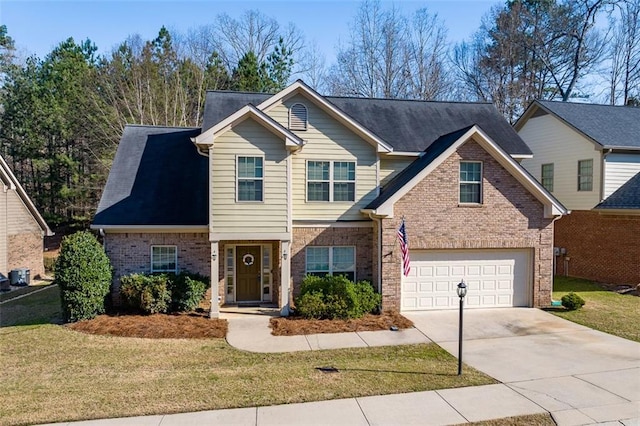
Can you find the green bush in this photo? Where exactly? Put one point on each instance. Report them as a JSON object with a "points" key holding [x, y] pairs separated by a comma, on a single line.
{"points": [[83, 274], [187, 291], [333, 297], [147, 293], [572, 301]]}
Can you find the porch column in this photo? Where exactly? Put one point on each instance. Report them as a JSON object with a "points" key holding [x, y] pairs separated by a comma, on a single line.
{"points": [[214, 312], [285, 277]]}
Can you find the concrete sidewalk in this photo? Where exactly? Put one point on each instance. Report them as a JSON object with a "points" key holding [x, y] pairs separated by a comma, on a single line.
{"points": [[545, 364]]}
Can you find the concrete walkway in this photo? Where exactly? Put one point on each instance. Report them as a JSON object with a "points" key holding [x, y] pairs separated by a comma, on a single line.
{"points": [[545, 364]]}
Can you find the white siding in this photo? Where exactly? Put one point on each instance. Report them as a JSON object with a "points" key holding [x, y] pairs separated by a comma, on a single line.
{"points": [[392, 165], [327, 139], [554, 142], [618, 169], [248, 139]]}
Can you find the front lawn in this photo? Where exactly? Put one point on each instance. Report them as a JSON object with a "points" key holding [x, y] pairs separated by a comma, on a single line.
{"points": [[51, 373], [604, 310]]}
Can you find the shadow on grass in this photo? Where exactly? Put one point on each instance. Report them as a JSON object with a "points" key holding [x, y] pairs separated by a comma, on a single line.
{"points": [[366, 370], [41, 307]]}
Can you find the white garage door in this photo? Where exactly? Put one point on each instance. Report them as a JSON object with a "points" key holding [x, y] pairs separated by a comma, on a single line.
{"points": [[494, 278]]}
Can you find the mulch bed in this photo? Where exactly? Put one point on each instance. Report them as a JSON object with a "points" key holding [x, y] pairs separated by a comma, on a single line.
{"points": [[158, 326], [291, 326]]}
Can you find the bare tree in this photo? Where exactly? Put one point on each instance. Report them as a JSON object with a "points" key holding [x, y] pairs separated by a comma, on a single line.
{"points": [[312, 67], [624, 75]]}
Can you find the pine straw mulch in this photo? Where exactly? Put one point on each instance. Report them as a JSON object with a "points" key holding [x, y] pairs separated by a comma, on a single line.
{"points": [[158, 326], [291, 326]]}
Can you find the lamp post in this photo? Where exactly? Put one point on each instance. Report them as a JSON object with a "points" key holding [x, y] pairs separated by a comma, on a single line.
{"points": [[462, 292]]}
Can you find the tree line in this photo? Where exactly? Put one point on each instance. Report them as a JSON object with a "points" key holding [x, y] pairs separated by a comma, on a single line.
{"points": [[61, 116]]}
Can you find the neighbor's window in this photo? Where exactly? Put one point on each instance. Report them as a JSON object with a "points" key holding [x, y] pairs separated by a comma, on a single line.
{"points": [[164, 259], [298, 117], [331, 181], [585, 175], [250, 178], [339, 260], [470, 182], [547, 177]]}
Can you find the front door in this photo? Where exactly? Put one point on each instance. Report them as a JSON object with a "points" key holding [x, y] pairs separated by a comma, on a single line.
{"points": [[248, 273]]}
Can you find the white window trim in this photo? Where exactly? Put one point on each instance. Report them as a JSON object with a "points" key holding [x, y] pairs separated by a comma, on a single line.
{"points": [[331, 181], [306, 117], [542, 177], [261, 179], [160, 246], [473, 182], [579, 175], [331, 272]]}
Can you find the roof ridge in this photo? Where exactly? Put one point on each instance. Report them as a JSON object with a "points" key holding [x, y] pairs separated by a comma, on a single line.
{"points": [[587, 104], [409, 100], [156, 126]]}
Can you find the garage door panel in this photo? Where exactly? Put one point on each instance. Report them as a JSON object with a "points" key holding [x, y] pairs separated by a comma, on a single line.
{"points": [[494, 278]]}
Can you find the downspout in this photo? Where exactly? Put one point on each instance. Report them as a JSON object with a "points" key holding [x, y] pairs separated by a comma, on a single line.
{"points": [[378, 222], [553, 239]]}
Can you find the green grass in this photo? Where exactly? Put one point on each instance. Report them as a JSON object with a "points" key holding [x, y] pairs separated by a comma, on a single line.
{"points": [[53, 374], [604, 310]]}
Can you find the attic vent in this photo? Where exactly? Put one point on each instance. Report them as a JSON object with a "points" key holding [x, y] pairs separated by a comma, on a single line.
{"points": [[298, 117]]}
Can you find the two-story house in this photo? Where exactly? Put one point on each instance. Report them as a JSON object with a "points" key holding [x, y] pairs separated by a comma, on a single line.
{"points": [[275, 187], [22, 228], [588, 157]]}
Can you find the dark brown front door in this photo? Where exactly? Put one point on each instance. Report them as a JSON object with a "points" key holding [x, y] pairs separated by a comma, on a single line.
{"points": [[248, 273]]}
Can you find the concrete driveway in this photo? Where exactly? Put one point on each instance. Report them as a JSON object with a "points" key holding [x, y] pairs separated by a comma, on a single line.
{"points": [[580, 375]]}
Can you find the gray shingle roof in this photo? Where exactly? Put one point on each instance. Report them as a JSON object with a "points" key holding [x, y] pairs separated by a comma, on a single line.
{"points": [[610, 126], [626, 197], [406, 125], [157, 178]]}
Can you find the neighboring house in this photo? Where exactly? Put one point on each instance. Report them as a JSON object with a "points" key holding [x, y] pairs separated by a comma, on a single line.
{"points": [[22, 229], [588, 157], [275, 187]]}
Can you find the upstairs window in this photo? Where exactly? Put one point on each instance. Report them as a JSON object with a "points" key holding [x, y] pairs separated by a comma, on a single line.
{"points": [[164, 259], [250, 176], [331, 181], [547, 177], [585, 175], [470, 182], [298, 117]]}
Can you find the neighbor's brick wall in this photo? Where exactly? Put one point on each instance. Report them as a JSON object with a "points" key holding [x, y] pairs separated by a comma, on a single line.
{"points": [[131, 253], [603, 248], [361, 238], [510, 217], [25, 251]]}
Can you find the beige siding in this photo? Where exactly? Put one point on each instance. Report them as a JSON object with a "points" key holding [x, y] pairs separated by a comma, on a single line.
{"points": [[554, 142], [619, 168], [249, 139], [391, 165], [19, 218], [3, 230], [327, 139]]}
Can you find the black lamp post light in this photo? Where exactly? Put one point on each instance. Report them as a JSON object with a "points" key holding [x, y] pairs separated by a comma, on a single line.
{"points": [[462, 292]]}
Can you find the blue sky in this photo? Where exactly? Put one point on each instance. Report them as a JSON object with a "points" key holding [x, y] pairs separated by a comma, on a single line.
{"points": [[38, 26]]}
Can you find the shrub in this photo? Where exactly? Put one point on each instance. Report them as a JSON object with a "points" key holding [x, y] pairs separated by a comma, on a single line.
{"points": [[83, 274], [333, 297], [147, 293], [572, 301], [187, 291]]}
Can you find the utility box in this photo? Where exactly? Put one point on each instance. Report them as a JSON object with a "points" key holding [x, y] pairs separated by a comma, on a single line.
{"points": [[20, 276]]}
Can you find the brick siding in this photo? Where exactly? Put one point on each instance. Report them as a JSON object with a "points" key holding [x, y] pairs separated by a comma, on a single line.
{"points": [[25, 251], [602, 248], [509, 217]]}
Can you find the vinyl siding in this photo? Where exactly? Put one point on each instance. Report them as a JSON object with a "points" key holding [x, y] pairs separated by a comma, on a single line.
{"points": [[618, 169], [249, 139], [392, 165], [554, 142], [327, 139], [3, 230]]}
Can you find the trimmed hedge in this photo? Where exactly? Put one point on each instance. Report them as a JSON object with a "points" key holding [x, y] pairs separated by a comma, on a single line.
{"points": [[162, 293], [83, 274], [332, 297]]}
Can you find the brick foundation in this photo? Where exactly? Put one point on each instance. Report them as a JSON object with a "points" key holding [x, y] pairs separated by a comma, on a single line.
{"points": [[25, 251], [509, 217], [602, 248]]}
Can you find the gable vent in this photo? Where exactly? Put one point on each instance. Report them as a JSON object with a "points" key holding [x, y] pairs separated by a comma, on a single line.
{"points": [[298, 117]]}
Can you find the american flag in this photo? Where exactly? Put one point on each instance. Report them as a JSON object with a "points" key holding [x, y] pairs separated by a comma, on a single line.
{"points": [[404, 247]]}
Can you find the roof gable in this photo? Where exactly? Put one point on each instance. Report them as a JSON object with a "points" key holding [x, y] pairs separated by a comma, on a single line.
{"points": [[608, 126], [441, 149], [11, 181]]}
